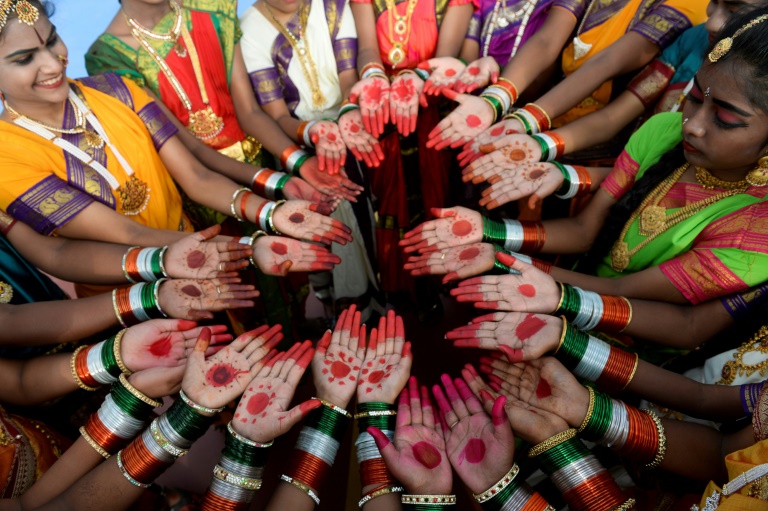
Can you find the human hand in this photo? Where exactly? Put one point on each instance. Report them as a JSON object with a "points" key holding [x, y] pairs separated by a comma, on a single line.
{"points": [[361, 143], [330, 149], [405, 98], [337, 361], [387, 362], [468, 120], [453, 227], [477, 74], [534, 180], [158, 382], [372, 95], [495, 164], [299, 219], [198, 299], [417, 458], [530, 291], [443, 73], [278, 255], [262, 413], [480, 448], [298, 189], [519, 335], [544, 384], [195, 257], [485, 142], [335, 185], [215, 381], [455, 263], [165, 343]]}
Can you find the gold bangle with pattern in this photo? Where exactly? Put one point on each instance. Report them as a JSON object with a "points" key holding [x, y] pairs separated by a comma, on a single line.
{"points": [[551, 442], [99, 449], [74, 371], [137, 393], [116, 350], [590, 410]]}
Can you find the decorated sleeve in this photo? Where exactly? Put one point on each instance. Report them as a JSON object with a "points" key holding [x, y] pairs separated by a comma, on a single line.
{"points": [[345, 43], [576, 7], [665, 22], [104, 58], [729, 256], [474, 30], [650, 84]]}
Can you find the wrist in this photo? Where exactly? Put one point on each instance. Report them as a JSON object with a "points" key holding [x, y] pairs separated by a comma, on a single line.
{"points": [[138, 303]]}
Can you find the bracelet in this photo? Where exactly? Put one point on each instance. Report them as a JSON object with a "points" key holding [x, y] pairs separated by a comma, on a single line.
{"points": [[252, 242], [371, 66], [303, 487], [245, 483], [335, 408], [428, 499], [143, 264], [528, 120], [542, 118], [662, 449], [292, 158], [234, 200], [500, 485], [137, 303], [127, 475], [551, 442], [269, 183], [552, 144], [378, 492], [507, 84], [262, 214], [164, 443], [92, 443], [375, 413], [202, 410], [270, 218], [590, 410], [247, 441], [116, 352], [78, 374], [137, 393]]}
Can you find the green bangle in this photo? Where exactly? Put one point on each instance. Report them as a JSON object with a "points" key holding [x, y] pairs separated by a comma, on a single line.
{"points": [[495, 103], [108, 357], [525, 123], [280, 185], [494, 232], [566, 186], [574, 346], [129, 403], [544, 147], [327, 421], [562, 455], [600, 420], [298, 164]]}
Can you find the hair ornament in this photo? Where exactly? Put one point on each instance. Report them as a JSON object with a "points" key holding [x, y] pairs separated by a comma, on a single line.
{"points": [[724, 45], [25, 12]]}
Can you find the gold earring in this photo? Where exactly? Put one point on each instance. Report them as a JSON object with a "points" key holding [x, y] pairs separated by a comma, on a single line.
{"points": [[759, 176], [63, 59]]}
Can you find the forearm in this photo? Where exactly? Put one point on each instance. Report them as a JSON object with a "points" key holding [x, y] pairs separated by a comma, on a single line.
{"points": [[257, 123], [65, 321], [38, 380], [694, 451], [347, 80], [453, 30], [367, 56], [470, 50]]}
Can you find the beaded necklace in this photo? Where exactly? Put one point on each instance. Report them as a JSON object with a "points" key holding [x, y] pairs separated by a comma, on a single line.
{"points": [[503, 21], [173, 35]]}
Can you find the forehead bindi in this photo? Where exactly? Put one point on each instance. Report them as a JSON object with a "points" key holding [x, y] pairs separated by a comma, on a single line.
{"points": [[726, 83]]}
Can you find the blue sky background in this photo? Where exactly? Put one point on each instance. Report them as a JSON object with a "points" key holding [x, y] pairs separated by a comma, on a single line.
{"points": [[80, 22]]}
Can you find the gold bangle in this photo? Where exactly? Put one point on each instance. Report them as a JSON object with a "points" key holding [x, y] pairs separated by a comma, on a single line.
{"points": [[301, 486], [335, 408], [202, 410], [247, 441], [629, 504], [428, 499], [99, 449], [74, 371], [137, 393], [117, 311], [629, 304], [271, 215], [551, 442], [116, 350], [404, 71], [634, 370], [256, 235], [386, 490], [246, 483], [590, 410], [375, 413], [562, 297], [502, 79], [562, 335], [500, 485], [662, 440], [546, 115]]}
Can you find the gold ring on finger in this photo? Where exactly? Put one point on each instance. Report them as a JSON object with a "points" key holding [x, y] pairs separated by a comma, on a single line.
{"points": [[218, 291], [454, 424]]}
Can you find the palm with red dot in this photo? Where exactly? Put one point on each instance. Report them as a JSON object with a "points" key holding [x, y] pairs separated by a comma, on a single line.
{"points": [[372, 95], [498, 163], [477, 74], [362, 144], [453, 227], [299, 219], [468, 120], [196, 257], [455, 263], [443, 73], [339, 357], [533, 180], [335, 185], [387, 362], [405, 97], [275, 255], [330, 149], [485, 142], [197, 299], [480, 447], [417, 458], [263, 412]]}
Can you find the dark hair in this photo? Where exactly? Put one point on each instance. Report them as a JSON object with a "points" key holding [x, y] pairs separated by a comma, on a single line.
{"points": [[750, 52]]}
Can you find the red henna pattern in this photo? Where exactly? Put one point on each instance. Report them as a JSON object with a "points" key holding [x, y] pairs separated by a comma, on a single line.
{"points": [[427, 455], [222, 374], [191, 290], [195, 259], [474, 451], [474, 71], [529, 327], [162, 347], [527, 290], [469, 253], [543, 389], [339, 369], [462, 228], [473, 121], [279, 248], [296, 218], [498, 130]]}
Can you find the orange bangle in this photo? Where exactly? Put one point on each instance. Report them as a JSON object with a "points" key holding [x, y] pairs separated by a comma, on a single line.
{"points": [[287, 153], [81, 366], [243, 203], [533, 236], [506, 84], [308, 469], [300, 131], [542, 118], [585, 181]]}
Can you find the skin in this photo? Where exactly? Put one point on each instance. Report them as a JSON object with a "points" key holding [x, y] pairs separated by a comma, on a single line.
{"points": [[455, 263], [363, 145], [276, 255]]}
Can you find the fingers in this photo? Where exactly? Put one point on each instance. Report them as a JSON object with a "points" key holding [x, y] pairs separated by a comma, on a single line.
{"points": [[427, 410], [298, 412], [457, 403], [388, 451], [324, 342], [203, 341], [473, 405], [403, 409], [206, 234], [415, 401], [498, 415], [391, 325], [270, 339], [303, 358]]}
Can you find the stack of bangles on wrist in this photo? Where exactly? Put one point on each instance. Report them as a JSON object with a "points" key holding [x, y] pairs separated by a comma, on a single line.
{"points": [[509, 493], [292, 158], [269, 183], [427, 502], [266, 209], [373, 69], [750, 395], [302, 133], [238, 475], [579, 476], [552, 145], [576, 181], [347, 106], [501, 96], [515, 235], [594, 360], [592, 311], [635, 434], [316, 448], [533, 118], [98, 364], [373, 470], [144, 264], [503, 269], [138, 303], [169, 437], [122, 416]]}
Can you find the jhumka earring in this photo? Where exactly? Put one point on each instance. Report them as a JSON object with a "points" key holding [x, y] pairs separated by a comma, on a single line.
{"points": [[759, 176]]}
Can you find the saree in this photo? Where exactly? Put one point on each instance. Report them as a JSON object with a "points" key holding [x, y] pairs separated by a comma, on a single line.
{"points": [[663, 82], [45, 187], [500, 30], [215, 31], [720, 250], [659, 21]]}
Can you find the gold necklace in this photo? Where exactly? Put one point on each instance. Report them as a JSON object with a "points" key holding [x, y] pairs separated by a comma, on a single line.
{"points": [[401, 27], [301, 48], [173, 35], [654, 220], [92, 138], [710, 182], [205, 124], [580, 48], [736, 367], [77, 130]]}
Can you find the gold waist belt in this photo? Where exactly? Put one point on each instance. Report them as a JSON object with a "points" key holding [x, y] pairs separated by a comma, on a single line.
{"points": [[247, 150]]}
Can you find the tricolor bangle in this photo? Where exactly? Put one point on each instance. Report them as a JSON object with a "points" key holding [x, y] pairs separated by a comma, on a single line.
{"points": [[233, 202], [138, 303], [111, 427], [503, 269], [580, 477], [101, 362], [292, 158], [79, 370], [552, 145], [496, 104], [590, 311], [594, 360], [503, 95], [543, 120], [509, 86], [302, 134], [262, 214], [371, 67], [570, 186], [373, 470], [515, 235], [269, 183], [529, 122], [143, 460], [347, 108], [143, 264], [422, 73]]}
